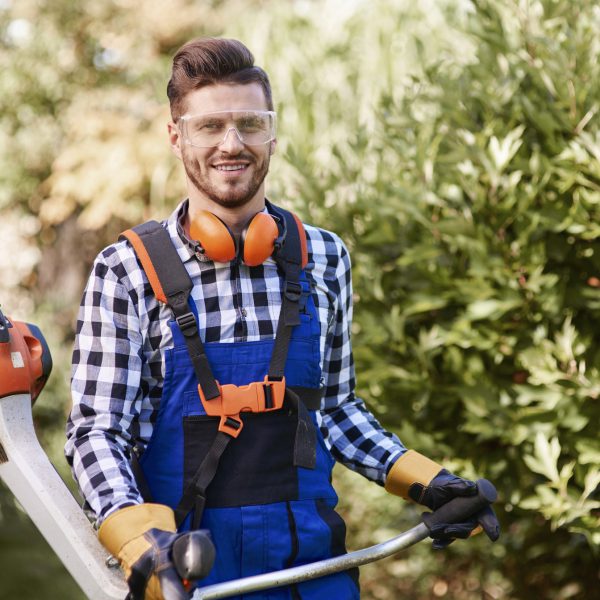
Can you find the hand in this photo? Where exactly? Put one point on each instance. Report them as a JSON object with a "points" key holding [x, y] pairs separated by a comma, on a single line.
{"points": [[153, 575], [141, 537], [416, 477], [444, 487]]}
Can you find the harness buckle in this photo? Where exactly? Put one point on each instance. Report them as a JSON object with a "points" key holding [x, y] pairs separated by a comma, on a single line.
{"points": [[230, 425], [256, 397], [293, 291], [187, 324]]}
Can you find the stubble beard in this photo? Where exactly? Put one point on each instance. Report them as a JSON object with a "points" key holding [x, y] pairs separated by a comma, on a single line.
{"points": [[237, 195]]}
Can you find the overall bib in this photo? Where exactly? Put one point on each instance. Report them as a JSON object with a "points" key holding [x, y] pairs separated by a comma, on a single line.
{"points": [[263, 512]]}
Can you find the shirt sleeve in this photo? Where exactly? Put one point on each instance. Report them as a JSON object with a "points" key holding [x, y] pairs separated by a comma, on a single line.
{"points": [[105, 387], [354, 435]]}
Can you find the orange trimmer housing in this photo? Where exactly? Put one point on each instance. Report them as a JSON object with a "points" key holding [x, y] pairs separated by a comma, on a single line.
{"points": [[25, 360]]}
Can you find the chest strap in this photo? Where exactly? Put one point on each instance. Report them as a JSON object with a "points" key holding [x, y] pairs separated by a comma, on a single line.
{"points": [[172, 286]]}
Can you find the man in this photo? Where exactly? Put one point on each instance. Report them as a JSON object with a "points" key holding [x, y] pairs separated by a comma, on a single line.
{"points": [[213, 381]]}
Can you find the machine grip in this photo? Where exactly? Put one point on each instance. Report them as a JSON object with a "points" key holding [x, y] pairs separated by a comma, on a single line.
{"points": [[462, 508], [171, 587], [193, 555], [4, 333]]}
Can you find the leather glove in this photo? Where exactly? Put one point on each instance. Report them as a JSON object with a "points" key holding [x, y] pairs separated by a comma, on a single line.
{"points": [[141, 538], [416, 477]]}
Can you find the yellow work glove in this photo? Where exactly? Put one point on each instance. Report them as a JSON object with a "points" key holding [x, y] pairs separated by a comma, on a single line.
{"points": [[141, 537], [418, 478]]}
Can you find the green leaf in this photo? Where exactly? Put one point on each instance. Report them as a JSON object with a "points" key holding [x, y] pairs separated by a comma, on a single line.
{"points": [[490, 309], [545, 458]]}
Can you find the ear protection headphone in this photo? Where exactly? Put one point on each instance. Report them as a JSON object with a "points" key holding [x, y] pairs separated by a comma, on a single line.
{"points": [[262, 235]]}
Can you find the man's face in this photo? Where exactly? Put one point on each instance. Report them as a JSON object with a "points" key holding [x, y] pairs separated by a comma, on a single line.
{"points": [[231, 174]]}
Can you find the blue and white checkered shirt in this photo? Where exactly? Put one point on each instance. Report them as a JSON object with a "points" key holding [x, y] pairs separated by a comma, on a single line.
{"points": [[123, 334]]}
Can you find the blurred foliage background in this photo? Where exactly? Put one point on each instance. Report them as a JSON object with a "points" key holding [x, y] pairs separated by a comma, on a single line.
{"points": [[454, 145]]}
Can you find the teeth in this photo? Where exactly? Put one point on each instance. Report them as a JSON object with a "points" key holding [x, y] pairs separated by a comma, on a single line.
{"points": [[230, 167]]}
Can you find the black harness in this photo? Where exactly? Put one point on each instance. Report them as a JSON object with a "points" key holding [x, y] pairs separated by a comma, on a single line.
{"points": [[172, 286]]}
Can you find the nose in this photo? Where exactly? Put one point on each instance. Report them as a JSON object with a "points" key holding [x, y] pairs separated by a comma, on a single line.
{"points": [[232, 144]]}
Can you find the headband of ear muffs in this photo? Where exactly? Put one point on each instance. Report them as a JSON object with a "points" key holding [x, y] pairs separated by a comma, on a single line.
{"points": [[260, 237]]}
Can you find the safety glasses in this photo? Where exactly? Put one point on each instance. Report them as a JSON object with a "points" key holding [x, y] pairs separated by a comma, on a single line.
{"points": [[208, 130]]}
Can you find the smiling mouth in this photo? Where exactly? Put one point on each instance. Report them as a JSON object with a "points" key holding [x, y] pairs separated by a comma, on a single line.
{"points": [[231, 168]]}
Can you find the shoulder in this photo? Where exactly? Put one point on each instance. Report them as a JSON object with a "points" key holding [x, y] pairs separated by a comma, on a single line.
{"points": [[120, 259], [326, 251], [118, 262]]}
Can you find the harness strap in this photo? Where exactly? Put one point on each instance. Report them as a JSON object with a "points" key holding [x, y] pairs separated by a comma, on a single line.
{"points": [[172, 286], [138, 473], [194, 494], [291, 259]]}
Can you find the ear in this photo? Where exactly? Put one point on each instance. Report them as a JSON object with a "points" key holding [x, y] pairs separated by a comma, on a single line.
{"points": [[272, 146], [174, 139]]}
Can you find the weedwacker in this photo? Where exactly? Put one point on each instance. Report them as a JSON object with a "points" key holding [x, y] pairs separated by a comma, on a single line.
{"points": [[25, 364]]}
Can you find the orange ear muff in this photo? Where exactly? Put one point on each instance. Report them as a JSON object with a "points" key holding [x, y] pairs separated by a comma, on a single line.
{"points": [[258, 239], [214, 236]]}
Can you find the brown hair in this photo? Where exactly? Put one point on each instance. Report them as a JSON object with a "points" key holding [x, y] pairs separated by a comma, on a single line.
{"points": [[207, 61]]}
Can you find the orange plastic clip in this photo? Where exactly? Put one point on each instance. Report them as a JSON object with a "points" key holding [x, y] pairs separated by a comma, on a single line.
{"points": [[256, 397]]}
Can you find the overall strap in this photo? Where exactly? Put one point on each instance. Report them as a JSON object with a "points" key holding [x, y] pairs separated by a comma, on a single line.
{"points": [[172, 286]]}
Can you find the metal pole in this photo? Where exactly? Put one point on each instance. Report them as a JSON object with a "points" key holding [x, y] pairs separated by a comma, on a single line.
{"points": [[30, 476], [313, 570]]}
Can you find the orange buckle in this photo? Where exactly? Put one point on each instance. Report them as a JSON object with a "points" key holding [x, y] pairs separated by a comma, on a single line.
{"points": [[256, 397]]}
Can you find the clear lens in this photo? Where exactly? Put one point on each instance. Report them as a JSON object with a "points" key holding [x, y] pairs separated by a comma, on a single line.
{"points": [[253, 127]]}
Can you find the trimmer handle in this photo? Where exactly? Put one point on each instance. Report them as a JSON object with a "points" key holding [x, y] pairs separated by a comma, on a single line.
{"points": [[462, 508], [194, 555], [4, 325]]}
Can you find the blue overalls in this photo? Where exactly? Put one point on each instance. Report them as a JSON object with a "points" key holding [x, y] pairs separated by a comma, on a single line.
{"points": [[264, 513]]}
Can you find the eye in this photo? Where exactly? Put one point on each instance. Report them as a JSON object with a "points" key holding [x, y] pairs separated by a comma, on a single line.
{"points": [[209, 125], [251, 124], [212, 126]]}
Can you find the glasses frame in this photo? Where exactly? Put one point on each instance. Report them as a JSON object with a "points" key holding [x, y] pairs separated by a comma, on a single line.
{"points": [[187, 117]]}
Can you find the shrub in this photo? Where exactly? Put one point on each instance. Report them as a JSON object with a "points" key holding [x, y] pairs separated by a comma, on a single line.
{"points": [[472, 214]]}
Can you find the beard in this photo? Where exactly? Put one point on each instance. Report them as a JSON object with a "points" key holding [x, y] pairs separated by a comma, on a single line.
{"points": [[227, 195]]}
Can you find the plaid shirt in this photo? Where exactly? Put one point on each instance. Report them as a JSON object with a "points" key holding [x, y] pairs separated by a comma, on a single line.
{"points": [[123, 334]]}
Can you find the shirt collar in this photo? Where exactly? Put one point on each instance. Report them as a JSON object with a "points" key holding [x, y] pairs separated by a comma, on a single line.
{"points": [[186, 248]]}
